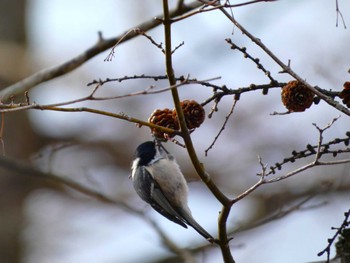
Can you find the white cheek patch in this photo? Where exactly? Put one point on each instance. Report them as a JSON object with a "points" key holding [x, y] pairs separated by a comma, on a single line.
{"points": [[134, 165]]}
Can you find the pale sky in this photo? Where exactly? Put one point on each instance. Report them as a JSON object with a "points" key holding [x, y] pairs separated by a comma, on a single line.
{"points": [[303, 31]]}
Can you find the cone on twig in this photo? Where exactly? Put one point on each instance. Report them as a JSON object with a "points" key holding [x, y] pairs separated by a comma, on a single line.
{"points": [[194, 113], [166, 119], [296, 96], [345, 94]]}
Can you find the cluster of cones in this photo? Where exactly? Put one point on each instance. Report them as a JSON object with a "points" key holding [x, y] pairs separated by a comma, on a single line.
{"points": [[295, 96], [194, 115]]}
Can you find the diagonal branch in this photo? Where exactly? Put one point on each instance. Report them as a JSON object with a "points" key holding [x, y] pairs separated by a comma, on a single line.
{"points": [[286, 68], [331, 240], [222, 127], [101, 45], [10, 107], [27, 169], [315, 163]]}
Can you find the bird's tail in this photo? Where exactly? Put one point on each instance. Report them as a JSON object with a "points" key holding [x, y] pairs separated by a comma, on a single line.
{"points": [[193, 223]]}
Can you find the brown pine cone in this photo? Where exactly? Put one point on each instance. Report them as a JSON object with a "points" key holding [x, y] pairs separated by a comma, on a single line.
{"points": [[194, 113], [163, 118], [345, 94], [296, 96]]}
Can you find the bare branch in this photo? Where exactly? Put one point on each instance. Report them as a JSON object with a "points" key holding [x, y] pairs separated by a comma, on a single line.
{"points": [[248, 191], [185, 132], [177, 47], [285, 67], [26, 169], [314, 163], [102, 45], [318, 155], [320, 138], [213, 5], [199, 167], [160, 45], [339, 13], [245, 53], [122, 116], [346, 223], [222, 127], [120, 40], [224, 91], [91, 97]]}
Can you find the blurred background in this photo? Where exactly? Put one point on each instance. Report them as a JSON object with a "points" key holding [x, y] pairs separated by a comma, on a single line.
{"points": [[42, 221]]}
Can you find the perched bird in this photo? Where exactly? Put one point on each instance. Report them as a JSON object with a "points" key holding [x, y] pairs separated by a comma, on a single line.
{"points": [[158, 180]]}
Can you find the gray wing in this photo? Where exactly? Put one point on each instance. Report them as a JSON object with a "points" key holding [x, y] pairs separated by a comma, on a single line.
{"points": [[149, 190]]}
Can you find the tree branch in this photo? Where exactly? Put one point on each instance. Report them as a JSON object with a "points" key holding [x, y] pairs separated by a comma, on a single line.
{"points": [[223, 241], [286, 68], [102, 45], [316, 162], [26, 169]]}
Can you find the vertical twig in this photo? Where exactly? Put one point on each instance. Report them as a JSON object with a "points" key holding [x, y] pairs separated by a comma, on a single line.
{"points": [[223, 240], [339, 13], [184, 130]]}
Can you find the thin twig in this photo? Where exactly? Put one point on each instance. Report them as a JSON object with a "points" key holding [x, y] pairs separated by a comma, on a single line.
{"points": [[160, 45], [91, 97], [285, 67], [156, 78], [314, 163], [245, 53], [150, 90], [142, 76], [224, 91], [122, 116], [177, 47], [214, 108], [339, 13], [222, 127], [120, 40], [253, 187], [320, 137], [102, 45], [346, 223], [309, 151], [213, 5]]}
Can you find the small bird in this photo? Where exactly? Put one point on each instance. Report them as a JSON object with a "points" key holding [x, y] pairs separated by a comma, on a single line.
{"points": [[158, 180]]}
